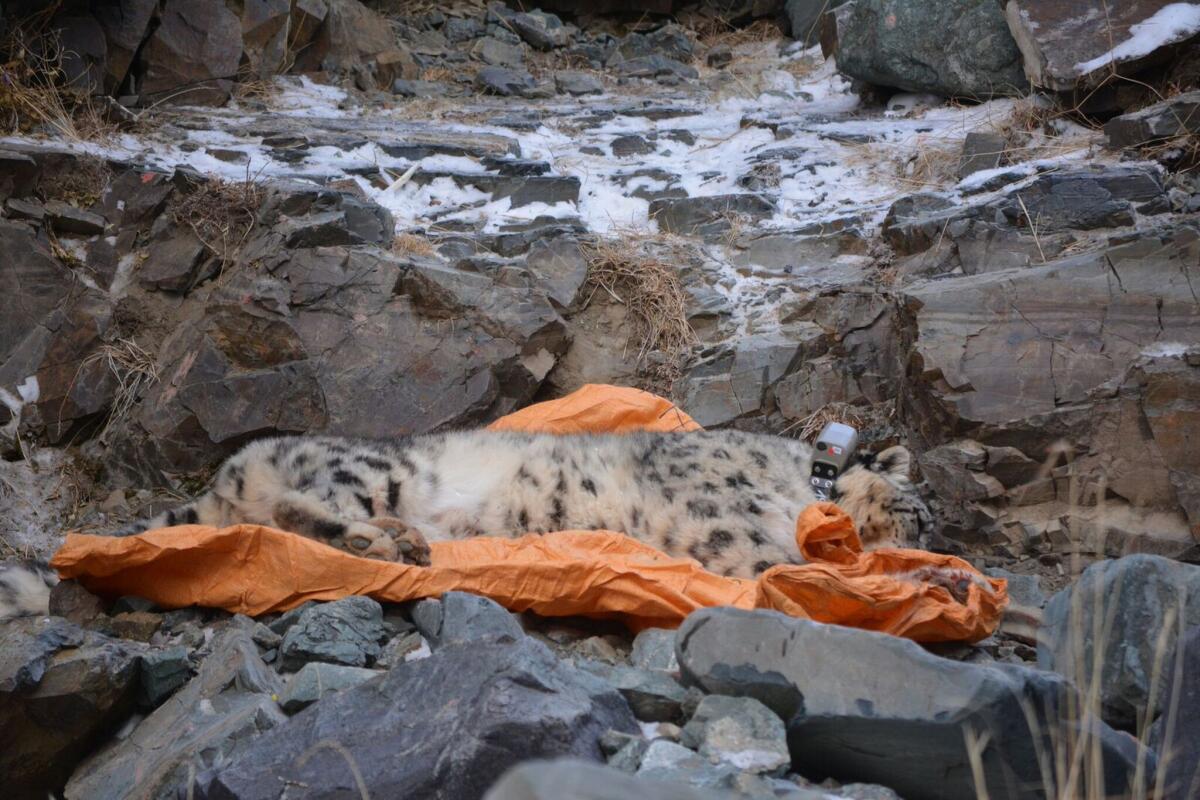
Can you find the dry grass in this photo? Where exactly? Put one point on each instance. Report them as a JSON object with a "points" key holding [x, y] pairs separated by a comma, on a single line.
{"points": [[82, 185], [134, 369], [808, 427], [36, 95], [626, 271], [410, 244], [221, 213]]}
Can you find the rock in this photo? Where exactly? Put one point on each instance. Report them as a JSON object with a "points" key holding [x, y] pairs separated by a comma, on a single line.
{"points": [[704, 216], [463, 29], [654, 648], [1064, 49], [667, 762], [577, 83], [136, 625], [307, 18], [955, 472], [203, 725], [652, 695], [69, 600], [265, 36], [84, 51], [655, 66], [543, 31], [960, 48], [124, 24], [1176, 736], [193, 54], [1023, 590], [1128, 600], [978, 337], [981, 151], [719, 56], [847, 693], [175, 262], [62, 692], [670, 41], [805, 18], [497, 53], [65, 218], [559, 267], [347, 631], [18, 174], [406, 88], [505, 82], [459, 617], [1085, 199], [581, 780], [314, 681], [1176, 116], [355, 40], [161, 673], [512, 701], [739, 731]]}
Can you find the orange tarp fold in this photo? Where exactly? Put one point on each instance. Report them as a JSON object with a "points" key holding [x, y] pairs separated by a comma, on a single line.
{"points": [[254, 570]]}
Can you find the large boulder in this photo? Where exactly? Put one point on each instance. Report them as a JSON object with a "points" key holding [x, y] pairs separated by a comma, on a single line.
{"points": [[460, 718], [124, 24], [960, 48], [63, 690], [1176, 736], [202, 726], [1019, 358], [1123, 617], [192, 57], [352, 39], [865, 706], [1065, 47]]}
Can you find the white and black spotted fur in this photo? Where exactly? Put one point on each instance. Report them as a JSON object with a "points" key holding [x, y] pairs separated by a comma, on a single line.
{"points": [[726, 498]]}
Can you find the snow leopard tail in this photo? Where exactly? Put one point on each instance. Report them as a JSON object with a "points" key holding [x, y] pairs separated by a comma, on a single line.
{"points": [[25, 588], [25, 584]]}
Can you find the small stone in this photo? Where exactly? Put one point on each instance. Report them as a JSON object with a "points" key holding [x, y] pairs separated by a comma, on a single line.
{"points": [[346, 631], [497, 53], [162, 672], [505, 82], [136, 625], [66, 218], [653, 695], [598, 648], [577, 83], [629, 757], [654, 648], [400, 648], [462, 617], [264, 637], [131, 602], [632, 145], [719, 56], [68, 599], [25, 210], [981, 151], [739, 731], [315, 680]]}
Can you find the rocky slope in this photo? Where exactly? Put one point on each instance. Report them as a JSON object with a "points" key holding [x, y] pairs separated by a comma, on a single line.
{"points": [[440, 214]]}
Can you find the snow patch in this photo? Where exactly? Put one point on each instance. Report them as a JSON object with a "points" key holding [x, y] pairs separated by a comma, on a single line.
{"points": [[1171, 23], [1166, 350]]}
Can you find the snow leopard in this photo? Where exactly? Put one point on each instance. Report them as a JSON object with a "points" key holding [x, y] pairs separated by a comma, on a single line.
{"points": [[726, 498]]}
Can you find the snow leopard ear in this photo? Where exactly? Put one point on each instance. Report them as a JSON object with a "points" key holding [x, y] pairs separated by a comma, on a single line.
{"points": [[893, 462]]}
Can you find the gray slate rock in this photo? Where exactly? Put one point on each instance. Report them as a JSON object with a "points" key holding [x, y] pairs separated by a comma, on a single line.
{"points": [[654, 648], [666, 761], [704, 216], [162, 672], [851, 695], [654, 696], [981, 151], [1175, 116], [505, 82], [511, 702], [577, 83], [497, 53], [960, 48], [1131, 597], [459, 617], [581, 780], [739, 731], [543, 31], [346, 631], [1177, 734], [66, 218], [62, 690], [316, 680], [201, 726]]}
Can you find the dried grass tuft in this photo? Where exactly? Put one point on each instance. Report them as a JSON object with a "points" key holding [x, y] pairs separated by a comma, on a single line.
{"points": [[410, 244], [134, 369], [650, 288], [221, 213], [808, 427], [36, 94]]}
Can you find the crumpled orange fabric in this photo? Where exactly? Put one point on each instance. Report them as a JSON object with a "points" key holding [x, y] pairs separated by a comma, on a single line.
{"points": [[253, 569]]}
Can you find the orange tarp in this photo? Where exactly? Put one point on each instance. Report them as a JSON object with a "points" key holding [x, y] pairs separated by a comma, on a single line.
{"points": [[253, 569]]}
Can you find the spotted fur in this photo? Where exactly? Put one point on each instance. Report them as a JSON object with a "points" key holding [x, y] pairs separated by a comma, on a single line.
{"points": [[725, 498]]}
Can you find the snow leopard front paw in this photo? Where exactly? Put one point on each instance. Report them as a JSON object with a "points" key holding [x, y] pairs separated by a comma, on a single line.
{"points": [[410, 545], [369, 541]]}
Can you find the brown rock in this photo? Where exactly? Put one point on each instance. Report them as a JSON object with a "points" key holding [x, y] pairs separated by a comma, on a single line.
{"points": [[193, 55], [356, 40], [69, 600], [265, 35], [136, 625], [125, 23]]}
